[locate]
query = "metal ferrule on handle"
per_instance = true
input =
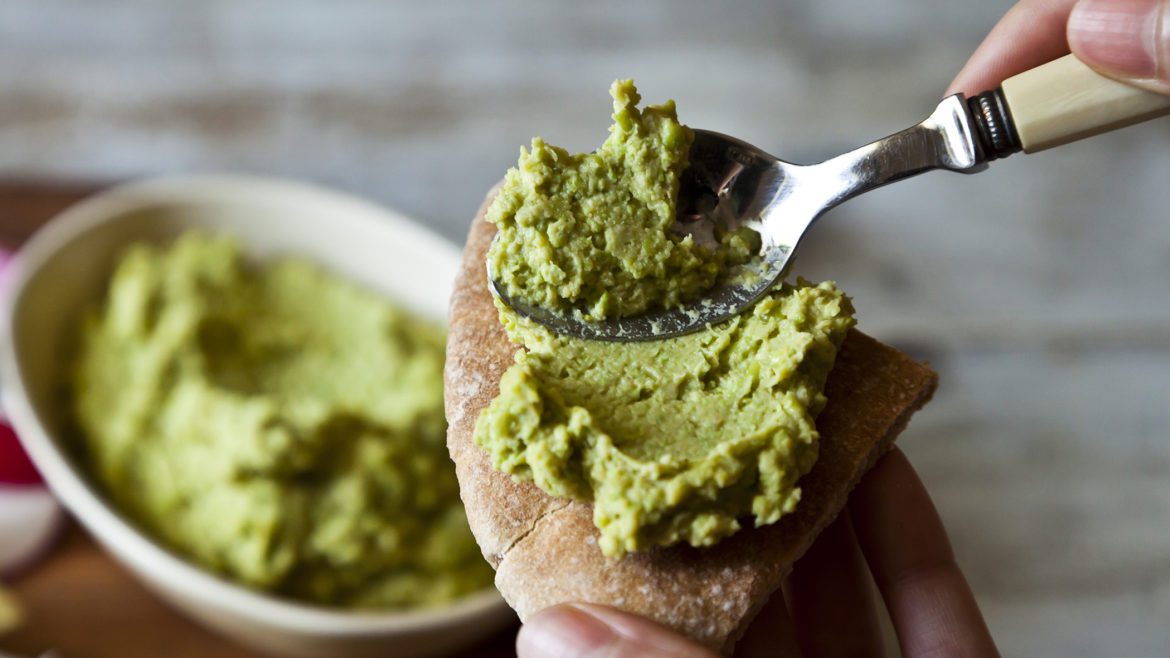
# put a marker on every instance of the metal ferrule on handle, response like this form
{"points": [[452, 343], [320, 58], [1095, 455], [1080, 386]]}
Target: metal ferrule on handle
{"points": [[994, 130], [1057, 103]]}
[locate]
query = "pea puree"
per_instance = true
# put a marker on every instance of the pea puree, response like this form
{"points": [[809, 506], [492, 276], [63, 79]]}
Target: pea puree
{"points": [[275, 424], [590, 233], [675, 440]]}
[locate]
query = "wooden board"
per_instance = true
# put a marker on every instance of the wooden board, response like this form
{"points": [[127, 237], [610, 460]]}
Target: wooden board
{"points": [[79, 602]]}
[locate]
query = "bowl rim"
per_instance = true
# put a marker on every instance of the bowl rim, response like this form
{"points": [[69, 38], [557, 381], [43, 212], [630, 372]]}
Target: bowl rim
{"points": [[123, 539]]}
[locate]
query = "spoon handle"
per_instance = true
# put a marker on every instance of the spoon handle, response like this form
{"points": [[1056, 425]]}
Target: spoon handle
{"points": [[1065, 100]]}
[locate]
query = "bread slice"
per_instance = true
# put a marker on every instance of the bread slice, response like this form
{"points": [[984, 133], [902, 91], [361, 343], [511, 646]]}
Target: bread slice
{"points": [[544, 549]]}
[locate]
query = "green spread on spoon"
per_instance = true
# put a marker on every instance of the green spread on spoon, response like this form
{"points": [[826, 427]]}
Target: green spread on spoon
{"points": [[591, 233], [277, 425], [675, 440]]}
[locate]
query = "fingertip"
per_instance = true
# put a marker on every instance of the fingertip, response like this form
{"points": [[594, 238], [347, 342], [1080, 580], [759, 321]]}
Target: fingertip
{"points": [[1122, 38], [562, 630], [581, 630]]}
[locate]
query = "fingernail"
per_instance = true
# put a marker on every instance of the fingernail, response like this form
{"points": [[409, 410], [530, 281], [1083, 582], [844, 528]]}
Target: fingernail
{"points": [[564, 631], [1118, 36]]}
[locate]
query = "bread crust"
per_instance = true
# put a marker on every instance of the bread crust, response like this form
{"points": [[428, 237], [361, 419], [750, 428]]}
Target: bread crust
{"points": [[544, 549]]}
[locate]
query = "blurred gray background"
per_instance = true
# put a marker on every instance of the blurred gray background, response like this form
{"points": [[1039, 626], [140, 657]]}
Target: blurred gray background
{"points": [[1039, 289]]}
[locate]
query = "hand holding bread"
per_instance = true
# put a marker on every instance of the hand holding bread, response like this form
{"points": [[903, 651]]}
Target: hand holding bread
{"points": [[889, 531]]}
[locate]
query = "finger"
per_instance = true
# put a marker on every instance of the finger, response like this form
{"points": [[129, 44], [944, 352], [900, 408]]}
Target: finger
{"points": [[580, 630], [1125, 39], [830, 599], [771, 634], [1030, 34], [902, 537]]}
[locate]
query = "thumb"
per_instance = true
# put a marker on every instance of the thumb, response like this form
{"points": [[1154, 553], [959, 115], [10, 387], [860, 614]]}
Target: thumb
{"points": [[1124, 39], [591, 631]]}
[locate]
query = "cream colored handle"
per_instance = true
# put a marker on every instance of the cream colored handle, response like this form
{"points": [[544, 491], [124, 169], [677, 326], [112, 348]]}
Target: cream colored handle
{"points": [[1065, 100]]}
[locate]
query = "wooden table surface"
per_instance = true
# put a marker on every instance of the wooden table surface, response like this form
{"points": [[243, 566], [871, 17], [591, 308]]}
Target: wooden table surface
{"points": [[79, 602]]}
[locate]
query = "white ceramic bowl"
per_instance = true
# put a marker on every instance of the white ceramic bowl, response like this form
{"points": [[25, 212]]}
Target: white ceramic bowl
{"points": [[64, 269]]}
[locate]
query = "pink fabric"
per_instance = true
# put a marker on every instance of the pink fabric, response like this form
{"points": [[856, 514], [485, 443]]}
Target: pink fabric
{"points": [[15, 467]]}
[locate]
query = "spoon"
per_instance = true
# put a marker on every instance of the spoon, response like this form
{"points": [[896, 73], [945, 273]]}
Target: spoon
{"points": [[736, 184]]}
